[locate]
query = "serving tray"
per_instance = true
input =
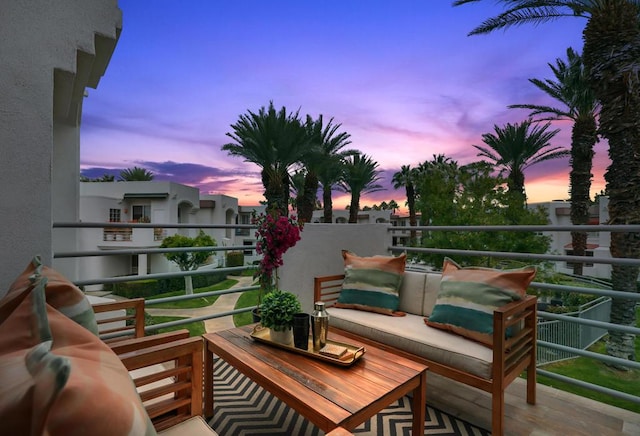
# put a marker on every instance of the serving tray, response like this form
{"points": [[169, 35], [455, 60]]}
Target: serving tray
{"points": [[263, 334]]}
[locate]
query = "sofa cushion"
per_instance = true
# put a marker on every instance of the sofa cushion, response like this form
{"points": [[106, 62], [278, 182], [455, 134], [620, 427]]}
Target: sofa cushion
{"points": [[418, 292], [58, 378], [410, 334], [372, 283], [469, 296], [61, 294]]}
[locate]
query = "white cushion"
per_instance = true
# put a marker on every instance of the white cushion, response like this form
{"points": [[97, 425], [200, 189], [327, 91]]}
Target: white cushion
{"points": [[411, 334], [192, 427]]}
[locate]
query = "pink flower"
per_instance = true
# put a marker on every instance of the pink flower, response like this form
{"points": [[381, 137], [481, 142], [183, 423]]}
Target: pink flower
{"points": [[275, 235]]}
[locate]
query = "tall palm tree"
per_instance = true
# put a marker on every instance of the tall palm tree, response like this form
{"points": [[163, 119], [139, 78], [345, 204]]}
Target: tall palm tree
{"points": [[325, 142], [330, 160], [275, 141], [571, 88], [611, 50], [136, 174], [405, 177], [515, 147], [360, 176]]}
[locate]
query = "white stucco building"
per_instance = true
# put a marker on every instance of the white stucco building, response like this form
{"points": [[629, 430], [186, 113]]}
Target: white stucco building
{"points": [[559, 213], [161, 203], [51, 52]]}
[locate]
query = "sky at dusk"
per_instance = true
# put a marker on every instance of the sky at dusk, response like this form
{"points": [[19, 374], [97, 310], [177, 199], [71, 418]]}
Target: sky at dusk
{"points": [[401, 77]]}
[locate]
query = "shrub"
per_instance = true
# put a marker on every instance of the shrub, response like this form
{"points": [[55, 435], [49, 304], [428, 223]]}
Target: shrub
{"points": [[235, 258]]}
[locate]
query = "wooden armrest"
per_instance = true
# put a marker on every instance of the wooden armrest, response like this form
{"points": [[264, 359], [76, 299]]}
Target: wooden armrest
{"points": [[513, 355], [136, 305], [128, 345], [178, 366]]}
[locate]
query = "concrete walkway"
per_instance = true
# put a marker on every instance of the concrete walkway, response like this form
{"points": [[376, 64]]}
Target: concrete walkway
{"points": [[224, 303]]}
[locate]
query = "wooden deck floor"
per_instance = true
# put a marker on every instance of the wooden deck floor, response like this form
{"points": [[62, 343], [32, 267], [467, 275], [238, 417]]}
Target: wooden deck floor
{"points": [[555, 413]]}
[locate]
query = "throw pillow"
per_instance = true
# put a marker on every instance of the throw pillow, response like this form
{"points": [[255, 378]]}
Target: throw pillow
{"points": [[60, 294], [468, 297], [57, 378], [372, 283]]}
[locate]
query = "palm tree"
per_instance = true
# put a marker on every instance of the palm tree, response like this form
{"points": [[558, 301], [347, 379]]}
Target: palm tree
{"points": [[571, 88], [611, 50], [392, 206], [135, 174], [325, 142], [330, 160], [405, 177], [360, 176], [516, 147], [275, 141]]}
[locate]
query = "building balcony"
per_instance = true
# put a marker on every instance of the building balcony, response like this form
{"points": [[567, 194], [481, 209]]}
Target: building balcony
{"points": [[556, 412], [123, 236]]}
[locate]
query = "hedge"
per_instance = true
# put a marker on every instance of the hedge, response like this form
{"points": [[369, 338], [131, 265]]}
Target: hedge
{"points": [[150, 287]]}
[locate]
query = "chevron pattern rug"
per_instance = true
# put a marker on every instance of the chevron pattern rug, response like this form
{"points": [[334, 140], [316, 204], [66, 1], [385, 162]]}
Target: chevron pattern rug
{"points": [[242, 408]]}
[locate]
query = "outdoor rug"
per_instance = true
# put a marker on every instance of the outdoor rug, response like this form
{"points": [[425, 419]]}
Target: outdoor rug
{"points": [[243, 408]]}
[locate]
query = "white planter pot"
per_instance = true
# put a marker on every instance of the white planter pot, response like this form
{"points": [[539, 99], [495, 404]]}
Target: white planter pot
{"points": [[283, 337]]}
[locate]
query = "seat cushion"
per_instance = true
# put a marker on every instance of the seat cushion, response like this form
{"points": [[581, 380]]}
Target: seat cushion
{"points": [[57, 377], [372, 283], [469, 296], [192, 427], [409, 333]]}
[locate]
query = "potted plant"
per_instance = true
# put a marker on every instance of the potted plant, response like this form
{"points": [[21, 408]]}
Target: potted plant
{"points": [[275, 235], [276, 313]]}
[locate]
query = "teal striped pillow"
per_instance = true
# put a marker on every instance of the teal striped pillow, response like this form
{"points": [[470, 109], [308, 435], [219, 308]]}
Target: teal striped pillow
{"points": [[468, 297], [372, 283]]}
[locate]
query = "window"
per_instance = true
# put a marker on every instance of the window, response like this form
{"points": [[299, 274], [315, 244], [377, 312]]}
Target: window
{"points": [[249, 243], [114, 215], [587, 253], [141, 213]]}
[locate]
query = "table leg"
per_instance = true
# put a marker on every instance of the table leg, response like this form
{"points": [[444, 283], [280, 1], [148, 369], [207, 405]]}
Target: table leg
{"points": [[208, 383], [419, 405]]}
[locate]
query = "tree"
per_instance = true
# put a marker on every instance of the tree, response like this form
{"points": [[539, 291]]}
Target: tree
{"points": [[392, 206], [188, 260], [275, 141], [360, 176], [329, 160], [104, 178], [472, 195], [438, 179], [325, 143], [514, 148], [405, 177], [571, 88], [136, 174], [611, 50]]}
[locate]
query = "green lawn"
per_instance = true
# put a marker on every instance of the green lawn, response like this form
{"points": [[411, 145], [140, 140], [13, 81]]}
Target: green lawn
{"points": [[591, 371], [249, 298], [196, 302], [195, 328]]}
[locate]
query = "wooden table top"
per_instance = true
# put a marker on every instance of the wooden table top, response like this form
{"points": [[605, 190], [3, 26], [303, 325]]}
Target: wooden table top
{"points": [[327, 394]]}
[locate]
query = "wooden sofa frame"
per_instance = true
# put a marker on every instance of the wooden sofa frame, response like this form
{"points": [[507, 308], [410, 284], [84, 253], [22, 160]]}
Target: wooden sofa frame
{"points": [[511, 356]]}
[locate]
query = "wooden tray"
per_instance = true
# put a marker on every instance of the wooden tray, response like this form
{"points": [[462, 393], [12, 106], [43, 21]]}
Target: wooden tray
{"points": [[263, 334]]}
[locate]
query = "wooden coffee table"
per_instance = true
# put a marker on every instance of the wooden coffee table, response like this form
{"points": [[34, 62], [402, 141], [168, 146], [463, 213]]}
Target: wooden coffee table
{"points": [[326, 394]]}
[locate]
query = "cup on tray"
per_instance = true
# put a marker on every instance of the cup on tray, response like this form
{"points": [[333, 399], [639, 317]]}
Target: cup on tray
{"points": [[301, 330]]}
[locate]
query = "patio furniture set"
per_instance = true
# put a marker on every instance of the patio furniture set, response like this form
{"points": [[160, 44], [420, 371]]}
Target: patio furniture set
{"points": [[60, 377]]}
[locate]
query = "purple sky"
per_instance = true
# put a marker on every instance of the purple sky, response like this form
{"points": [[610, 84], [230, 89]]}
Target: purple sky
{"points": [[403, 78]]}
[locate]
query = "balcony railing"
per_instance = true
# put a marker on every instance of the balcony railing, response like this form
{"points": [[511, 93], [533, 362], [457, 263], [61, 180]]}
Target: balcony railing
{"points": [[554, 344]]}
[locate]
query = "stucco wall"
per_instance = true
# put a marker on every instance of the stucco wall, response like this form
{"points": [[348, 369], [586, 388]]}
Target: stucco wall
{"points": [[40, 40], [319, 252]]}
